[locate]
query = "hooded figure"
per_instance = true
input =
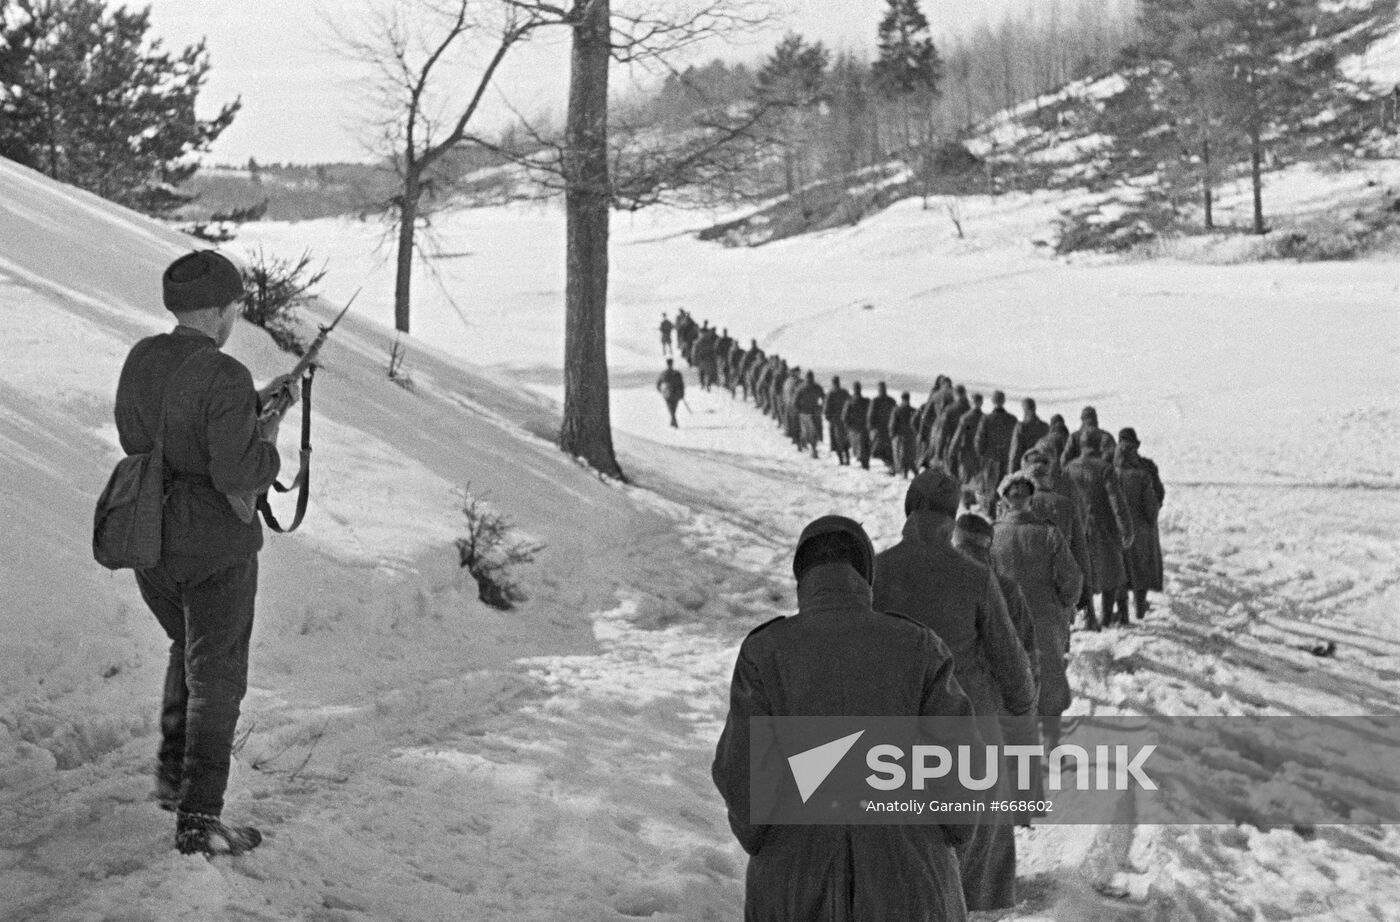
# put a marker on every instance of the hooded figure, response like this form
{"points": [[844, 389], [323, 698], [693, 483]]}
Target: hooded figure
{"points": [[1036, 555], [1060, 510], [972, 535], [839, 656], [926, 578]]}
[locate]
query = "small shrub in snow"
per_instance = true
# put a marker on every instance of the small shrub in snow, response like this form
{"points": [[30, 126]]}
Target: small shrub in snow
{"points": [[276, 288], [490, 553]]}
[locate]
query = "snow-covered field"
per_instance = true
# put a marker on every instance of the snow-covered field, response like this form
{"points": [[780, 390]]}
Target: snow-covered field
{"points": [[414, 755]]}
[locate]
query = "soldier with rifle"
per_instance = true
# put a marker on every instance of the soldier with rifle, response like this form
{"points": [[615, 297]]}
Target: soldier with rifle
{"points": [[217, 443]]}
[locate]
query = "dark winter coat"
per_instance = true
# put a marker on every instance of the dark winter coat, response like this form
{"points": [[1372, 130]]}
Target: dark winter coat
{"points": [[840, 657], [1033, 553], [671, 384], [834, 411], [877, 422], [945, 427], [1108, 521], [1143, 561], [926, 578], [809, 398], [962, 459], [1064, 514], [902, 438], [1023, 437], [1158, 487], [993, 440], [211, 442]]}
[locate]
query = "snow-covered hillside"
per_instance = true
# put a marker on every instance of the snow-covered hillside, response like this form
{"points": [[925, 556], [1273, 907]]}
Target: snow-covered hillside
{"points": [[414, 755]]}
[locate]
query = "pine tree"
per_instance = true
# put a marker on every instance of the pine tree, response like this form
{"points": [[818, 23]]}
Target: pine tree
{"points": [[907, 69], [1239, 67], [794, 80], [89, 99]]}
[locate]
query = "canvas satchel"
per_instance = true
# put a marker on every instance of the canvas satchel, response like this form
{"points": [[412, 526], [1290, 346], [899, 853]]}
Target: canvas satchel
{"points": [[126, 529]]}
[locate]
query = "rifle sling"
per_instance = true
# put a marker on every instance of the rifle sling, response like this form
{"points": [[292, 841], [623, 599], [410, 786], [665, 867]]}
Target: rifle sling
{"points": [[302, 481]]}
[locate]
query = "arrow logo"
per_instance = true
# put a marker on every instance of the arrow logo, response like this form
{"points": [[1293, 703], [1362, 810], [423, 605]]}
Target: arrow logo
{"points": [[810, 768]]}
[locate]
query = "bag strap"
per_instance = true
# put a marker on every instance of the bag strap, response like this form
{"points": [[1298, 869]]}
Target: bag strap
{"points": [[302, 480]]}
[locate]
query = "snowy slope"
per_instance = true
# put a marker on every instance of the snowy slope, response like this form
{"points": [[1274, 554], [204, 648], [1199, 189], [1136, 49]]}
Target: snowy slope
{"points": [[415, 756]]}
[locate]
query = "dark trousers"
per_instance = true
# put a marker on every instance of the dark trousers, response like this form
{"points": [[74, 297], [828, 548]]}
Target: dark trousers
{"points": [[205, 605]]}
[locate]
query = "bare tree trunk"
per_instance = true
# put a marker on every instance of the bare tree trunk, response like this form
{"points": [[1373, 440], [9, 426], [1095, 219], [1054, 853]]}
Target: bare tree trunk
{"points": [[403, 273], [1206, 180], [587, 427], [1256, 163]]}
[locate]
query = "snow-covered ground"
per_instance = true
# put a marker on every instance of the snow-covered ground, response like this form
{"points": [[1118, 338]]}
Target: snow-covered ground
{"points": [[413, 754]]}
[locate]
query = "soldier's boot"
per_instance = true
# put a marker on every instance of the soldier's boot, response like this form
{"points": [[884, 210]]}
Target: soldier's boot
{"points": [[205, 834], [1140, 604]]}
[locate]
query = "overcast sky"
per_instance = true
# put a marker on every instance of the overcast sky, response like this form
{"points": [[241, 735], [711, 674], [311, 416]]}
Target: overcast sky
{"points": [[302, 102]]}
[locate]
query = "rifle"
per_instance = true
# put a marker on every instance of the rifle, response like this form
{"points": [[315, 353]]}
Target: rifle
{"points": [[281, 400], [247, 505]]}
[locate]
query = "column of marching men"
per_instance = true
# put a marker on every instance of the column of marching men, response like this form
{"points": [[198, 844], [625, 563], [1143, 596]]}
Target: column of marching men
{"points": [[1012, 526]]}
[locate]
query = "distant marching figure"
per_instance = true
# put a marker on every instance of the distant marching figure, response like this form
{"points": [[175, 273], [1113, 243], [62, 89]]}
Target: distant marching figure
{"points": [[666, 327], [877, 422], [903, 437], [1110, 525], [857, 411], [1142, 489], [834, 409], [672, 387], [809, 400]]}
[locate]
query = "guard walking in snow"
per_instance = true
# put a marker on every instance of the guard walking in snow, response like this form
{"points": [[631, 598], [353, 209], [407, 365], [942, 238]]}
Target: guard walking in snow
{"points": [[202, 590], [671, 384], [839, 656]]}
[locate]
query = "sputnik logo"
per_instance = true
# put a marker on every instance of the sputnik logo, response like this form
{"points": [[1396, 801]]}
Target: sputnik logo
{"points": [[811, 768]]}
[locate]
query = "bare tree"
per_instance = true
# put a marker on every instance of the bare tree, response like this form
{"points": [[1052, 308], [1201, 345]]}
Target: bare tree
{"points": [[597, 174], [422, 112]]}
